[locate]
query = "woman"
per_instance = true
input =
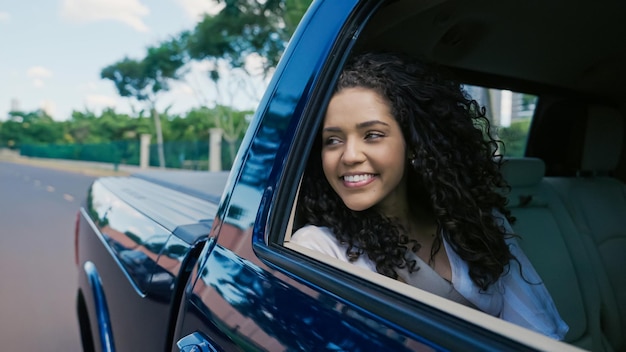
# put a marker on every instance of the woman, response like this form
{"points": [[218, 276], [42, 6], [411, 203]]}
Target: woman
{"points": [[403, 181]]}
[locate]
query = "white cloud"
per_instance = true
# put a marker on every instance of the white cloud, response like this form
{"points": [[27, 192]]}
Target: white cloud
{"points": [[38, 72], [129, 12], [5, 17], [88, 87], [197, 8], [99, 101]]}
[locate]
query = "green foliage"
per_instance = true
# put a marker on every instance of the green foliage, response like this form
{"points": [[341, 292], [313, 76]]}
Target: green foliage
{"points": [[514, 137], [143, 79], [244, 27], [194, 126], [162, 63], [114, 138], [30, 127], [292, 14], [130, 78], [232, 35], [87, 127]]}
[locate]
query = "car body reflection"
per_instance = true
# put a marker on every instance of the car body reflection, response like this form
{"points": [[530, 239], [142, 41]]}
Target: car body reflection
{"points": [[279, 312], [134, 239]]}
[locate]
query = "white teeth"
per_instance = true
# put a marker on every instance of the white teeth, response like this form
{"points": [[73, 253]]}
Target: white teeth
{"points": [[357, 178]]}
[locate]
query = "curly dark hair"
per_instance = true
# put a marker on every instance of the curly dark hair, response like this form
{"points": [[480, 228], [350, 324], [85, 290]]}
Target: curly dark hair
{"points": [[456, 172]]}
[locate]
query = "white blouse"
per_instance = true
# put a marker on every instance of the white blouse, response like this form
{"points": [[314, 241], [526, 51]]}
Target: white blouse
{"points": [[511, 298]]}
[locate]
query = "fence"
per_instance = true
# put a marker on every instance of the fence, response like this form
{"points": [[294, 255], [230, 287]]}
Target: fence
{"points": [[195, 154], [182, 155]]}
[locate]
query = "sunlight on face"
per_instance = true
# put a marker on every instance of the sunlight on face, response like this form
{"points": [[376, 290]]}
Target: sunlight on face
{"points": [[364, 152]]}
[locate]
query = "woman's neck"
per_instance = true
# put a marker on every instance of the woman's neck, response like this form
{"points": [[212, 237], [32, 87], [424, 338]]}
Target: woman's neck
{"points": [[419, 223]]}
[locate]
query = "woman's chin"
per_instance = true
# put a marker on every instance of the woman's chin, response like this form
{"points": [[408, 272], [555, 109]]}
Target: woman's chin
{"points": [[358, 206]]}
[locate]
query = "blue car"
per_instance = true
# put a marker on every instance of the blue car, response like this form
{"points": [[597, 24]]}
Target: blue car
{"points": [[200, 261]]}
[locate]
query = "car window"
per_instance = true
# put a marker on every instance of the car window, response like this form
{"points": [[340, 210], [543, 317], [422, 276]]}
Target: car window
{"points": [[510, 118], [510, 114]]}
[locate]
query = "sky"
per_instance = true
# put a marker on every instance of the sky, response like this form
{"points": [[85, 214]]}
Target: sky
{"points": [[52, 53]]}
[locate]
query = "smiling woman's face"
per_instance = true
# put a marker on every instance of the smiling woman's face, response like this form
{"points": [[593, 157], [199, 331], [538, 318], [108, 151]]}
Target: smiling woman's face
{"points": [[364, 152]]}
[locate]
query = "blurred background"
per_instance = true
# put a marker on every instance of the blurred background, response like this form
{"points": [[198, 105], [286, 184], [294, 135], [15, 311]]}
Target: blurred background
{"points": [[83, 82], [84, 79]]}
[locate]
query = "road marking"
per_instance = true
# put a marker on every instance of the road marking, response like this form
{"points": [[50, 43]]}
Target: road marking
{"points": [[50, 189], [68, 197]]}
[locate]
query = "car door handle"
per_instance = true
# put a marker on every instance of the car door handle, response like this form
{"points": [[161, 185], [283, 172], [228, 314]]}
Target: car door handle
{"points": [[195, 342]]}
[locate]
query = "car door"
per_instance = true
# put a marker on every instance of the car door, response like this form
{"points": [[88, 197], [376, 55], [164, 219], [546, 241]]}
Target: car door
{"points": [[251, 292]]}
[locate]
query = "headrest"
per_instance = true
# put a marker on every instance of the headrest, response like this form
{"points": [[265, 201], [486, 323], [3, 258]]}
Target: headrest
{"points": [[523, 172], [603, 139]]}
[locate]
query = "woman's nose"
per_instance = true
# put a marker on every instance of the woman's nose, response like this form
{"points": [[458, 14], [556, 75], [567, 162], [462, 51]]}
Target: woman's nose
{"points": [[352, 153]]}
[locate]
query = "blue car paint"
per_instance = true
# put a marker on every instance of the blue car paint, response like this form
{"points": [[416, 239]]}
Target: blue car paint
{"points": [[102, 311]]}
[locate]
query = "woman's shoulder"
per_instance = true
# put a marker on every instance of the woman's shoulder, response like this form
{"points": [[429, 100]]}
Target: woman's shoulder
{"points": [[322, 239], [312, 233], [317, 238]]}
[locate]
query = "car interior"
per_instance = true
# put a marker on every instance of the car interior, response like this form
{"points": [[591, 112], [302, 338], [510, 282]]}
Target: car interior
{"points": [[567, 186]]}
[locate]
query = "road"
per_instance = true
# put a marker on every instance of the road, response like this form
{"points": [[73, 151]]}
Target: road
{"points": [[37, 273]]}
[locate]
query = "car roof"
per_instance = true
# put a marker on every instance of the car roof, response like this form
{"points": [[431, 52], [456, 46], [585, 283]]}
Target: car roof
{"points": [[569, 46]]}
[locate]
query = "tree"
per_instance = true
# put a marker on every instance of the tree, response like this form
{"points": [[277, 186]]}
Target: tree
{"points": [[194, 125], [145, 79], [31, 127], [234, 125], [245, 27], [81, 125], [228, 39], [241, 30], [292, 14]]}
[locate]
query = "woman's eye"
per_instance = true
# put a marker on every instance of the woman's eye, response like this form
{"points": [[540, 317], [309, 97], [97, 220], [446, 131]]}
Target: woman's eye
{"points": [[373, 135], [331, 141]]}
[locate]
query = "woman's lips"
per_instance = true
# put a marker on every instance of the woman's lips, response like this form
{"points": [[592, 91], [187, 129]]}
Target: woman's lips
{"points": [[359, 180]]}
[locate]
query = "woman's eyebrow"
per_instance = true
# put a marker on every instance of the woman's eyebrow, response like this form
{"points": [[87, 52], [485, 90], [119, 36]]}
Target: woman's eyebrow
{"points": [[371, 123], [358, 126], [331, 129]]}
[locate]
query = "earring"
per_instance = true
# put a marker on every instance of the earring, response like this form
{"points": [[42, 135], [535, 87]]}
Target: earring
{"points": [[413, 159]]}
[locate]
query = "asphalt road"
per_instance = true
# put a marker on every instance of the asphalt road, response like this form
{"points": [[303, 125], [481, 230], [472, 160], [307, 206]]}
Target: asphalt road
{"points": [[38, 277]]}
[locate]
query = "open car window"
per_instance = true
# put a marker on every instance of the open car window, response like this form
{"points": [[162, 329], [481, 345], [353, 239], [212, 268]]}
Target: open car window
{"points": [[510, 116]]}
